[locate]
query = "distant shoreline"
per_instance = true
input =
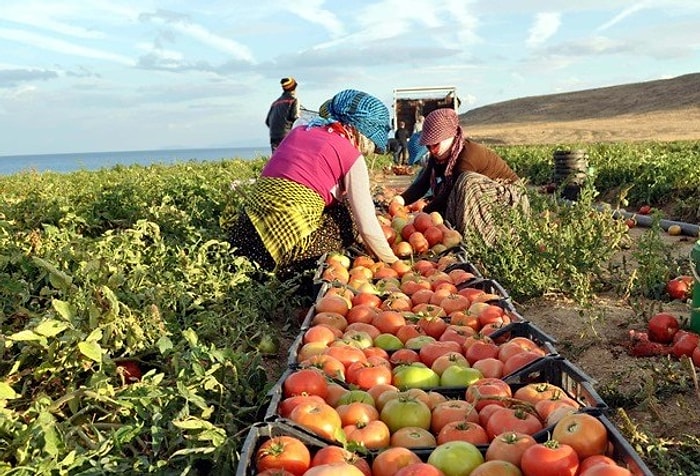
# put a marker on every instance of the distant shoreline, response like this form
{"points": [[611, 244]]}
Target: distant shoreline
{"points": [[72, 162]]}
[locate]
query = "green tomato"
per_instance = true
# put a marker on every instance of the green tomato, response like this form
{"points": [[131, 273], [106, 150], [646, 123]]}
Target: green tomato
{"points": [[351, 396], [456, 458], [388, 342], [415, 375], [415, 343], [404, 411], [459, 376]]}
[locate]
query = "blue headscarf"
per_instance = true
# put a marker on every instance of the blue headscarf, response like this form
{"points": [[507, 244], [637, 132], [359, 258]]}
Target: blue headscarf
{"points": [[363, 111]]}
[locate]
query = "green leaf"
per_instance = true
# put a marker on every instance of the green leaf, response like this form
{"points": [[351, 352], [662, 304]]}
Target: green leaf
{"points": [[64, 309], [164, 345], [25, 336], [51, 438], [50, 328], [7, 392], [91, 350]]}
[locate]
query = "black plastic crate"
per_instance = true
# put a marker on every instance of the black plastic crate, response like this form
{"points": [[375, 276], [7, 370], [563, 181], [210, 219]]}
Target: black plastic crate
{"points": [[561, 372], [622, 451], [263, 431], [526, 329]]}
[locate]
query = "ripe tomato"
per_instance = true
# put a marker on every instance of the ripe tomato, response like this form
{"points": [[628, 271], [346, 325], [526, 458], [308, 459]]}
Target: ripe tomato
{"points": [[274, 472], [585, 433], [432, 350], [367, 374], [486, 391], [319, 418], [463, 431], [309, 381], [550, 458], [283, 452], [534, 392], [606, 470], [287, 404], [662, 327], [419, 469], [334, 469], [391, 460], [373, 435], [413, 437], [520, 360], [489, 367], [496, 468], [512, 419], [595, 460], [684, 344], [337, 454], [509, 446], [357, 413], [130, 370], [481, 349], [680, 287]]}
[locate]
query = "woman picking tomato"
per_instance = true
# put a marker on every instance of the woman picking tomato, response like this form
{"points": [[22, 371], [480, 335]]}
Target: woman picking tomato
{"points": [[315, 189], [468, 181]]}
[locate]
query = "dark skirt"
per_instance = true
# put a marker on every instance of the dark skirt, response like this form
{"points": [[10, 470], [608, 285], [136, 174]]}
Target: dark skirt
{"points": [[336, 233]]}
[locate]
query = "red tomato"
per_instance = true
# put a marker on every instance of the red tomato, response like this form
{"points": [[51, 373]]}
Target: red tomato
{"points": [[496, 468], [419, 469], [373, 435], [606, 470], [696, 357], [595, 460], [432, 350], [450, 411], [334, 469], [662, 327], [274, 472], [481, 349], [287, 405], [509, 446], [283, 452], [337, 454], [489, 367], [319, 418], [357, 413], [549, 459], [309, 381], [413, 437], [679, 288], [520, 360], [487, 390], [512, 419], [391, 460], [463, 431], [685, 344], [585, 433], [131, 370], [365, 375], [534, 392], [644, 210], [329, 365]]}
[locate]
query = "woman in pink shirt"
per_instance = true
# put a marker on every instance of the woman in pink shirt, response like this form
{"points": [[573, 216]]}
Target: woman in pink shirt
{"points": [[313, 196]]}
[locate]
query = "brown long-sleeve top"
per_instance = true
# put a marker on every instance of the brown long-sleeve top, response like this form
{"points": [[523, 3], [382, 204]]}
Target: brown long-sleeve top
{"points": [[473, 158]]}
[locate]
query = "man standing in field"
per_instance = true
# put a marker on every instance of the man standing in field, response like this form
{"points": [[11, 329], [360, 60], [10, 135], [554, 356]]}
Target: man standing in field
{"points": [[283, 112]]}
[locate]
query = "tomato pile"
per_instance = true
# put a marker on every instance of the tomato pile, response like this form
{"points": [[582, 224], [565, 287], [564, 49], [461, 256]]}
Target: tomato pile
{"points": [[664, 336], [424, 367]]}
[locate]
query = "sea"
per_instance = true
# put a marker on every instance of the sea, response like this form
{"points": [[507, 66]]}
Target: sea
{"points": [[92, 161]]}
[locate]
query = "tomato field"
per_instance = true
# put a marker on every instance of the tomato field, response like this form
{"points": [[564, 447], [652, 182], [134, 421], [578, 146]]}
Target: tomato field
{"points": [[133, 339]]}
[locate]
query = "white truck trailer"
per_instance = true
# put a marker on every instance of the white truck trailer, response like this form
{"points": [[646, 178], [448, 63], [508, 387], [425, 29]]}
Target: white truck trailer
{"points": [[409, 103]]}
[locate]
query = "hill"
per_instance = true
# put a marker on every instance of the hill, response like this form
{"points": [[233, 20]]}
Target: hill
{"points": [[661, 110]]}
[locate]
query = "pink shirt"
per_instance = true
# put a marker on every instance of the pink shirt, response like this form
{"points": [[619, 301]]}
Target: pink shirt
{"points": [[314, 157]]}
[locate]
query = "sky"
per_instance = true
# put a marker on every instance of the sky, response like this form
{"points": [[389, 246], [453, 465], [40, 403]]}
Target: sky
{"points": [[101, 75]]}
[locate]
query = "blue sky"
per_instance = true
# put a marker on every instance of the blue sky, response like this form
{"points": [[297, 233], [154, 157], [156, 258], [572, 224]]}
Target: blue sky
{"points": [[101, 75]]}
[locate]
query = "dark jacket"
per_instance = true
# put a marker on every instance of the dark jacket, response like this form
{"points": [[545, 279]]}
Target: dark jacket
{"points": [[282, 114]]}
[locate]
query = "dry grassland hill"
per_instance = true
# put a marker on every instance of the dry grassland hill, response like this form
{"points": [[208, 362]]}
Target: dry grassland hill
{"points": [[662, 110]]}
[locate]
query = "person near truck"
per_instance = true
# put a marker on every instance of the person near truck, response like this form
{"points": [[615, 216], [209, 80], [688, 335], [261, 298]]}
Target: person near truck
{"points": [[283, 112], [401, 135], [313, 195], [467, 180]]}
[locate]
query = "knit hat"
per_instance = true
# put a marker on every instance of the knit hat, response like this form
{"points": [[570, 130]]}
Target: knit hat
{"points": [[439, 125], [323, 110], [288, 84], [364, 112]]}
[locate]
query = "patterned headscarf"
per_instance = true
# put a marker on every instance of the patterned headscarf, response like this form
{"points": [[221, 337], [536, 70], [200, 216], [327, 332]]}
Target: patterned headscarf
{"points": [[364, 112], [439, 125]]}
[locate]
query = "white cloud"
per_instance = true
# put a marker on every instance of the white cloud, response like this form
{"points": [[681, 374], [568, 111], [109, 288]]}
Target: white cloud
{"points": [[545, 26], [63, 47]]}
